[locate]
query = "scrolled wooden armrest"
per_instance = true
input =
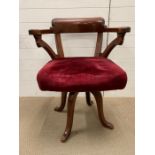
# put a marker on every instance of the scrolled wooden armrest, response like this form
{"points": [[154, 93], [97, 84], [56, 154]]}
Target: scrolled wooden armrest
{"points": [[121, 31], [40, 32], [118, 29], [40, 43]]}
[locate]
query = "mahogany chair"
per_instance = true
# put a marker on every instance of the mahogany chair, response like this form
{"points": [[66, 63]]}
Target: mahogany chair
{"points": [[80, 74]]}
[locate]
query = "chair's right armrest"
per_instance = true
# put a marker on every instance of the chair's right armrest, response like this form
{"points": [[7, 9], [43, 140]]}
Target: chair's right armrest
{"points": [[39, 41], [40, 32]]}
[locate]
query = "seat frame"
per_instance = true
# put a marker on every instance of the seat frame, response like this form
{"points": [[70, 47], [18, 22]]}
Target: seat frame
{"points": [[79, 25]]}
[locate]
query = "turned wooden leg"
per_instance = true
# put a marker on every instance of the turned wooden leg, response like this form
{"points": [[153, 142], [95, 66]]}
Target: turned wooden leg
{"points": [[63, 102], [70, 114], [99, 102], [88, 99]]}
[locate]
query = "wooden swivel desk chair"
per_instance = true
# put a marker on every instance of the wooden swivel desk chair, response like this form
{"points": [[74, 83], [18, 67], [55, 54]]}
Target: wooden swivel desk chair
{"points": [[80, 74]]}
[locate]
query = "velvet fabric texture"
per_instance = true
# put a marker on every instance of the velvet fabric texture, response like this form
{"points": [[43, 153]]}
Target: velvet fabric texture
{"points": [[81, 74]]}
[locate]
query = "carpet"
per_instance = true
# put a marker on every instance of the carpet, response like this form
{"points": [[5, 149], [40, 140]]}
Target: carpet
{"points": [[41, 128]]}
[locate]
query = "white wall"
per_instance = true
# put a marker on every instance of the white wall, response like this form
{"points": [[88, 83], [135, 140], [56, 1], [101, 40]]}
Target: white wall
{"points": [[39, 13]]}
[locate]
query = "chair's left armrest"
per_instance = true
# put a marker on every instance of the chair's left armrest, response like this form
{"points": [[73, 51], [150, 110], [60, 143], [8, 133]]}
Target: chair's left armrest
{"points": [[118, 29], [121, 31]]}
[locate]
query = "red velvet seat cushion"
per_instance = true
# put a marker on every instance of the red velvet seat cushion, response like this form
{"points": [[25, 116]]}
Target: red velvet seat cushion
{"points": [[81, 74]]}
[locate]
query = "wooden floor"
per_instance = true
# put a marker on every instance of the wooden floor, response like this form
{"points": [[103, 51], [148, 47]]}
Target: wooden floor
{"points": [[41, 128]]}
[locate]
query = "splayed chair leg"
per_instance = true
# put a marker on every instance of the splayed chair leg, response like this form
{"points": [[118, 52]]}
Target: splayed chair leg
{"points": [[88, 99], [70, 114], [99, 102], [63, 102]]}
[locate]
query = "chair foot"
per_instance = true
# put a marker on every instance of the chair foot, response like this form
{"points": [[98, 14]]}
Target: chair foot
{"points": [[99, 102], [88, 99], [65, 136], [70, 114], [63, 102]]}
